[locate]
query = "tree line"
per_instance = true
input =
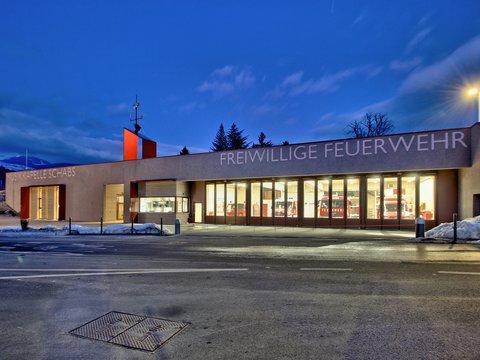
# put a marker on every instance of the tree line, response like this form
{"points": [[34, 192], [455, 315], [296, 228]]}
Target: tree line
{"points": [[371, 124]]}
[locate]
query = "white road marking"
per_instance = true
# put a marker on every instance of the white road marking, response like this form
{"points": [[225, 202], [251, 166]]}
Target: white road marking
{"points": [[151, 271], [326, 269], [458, 272]]}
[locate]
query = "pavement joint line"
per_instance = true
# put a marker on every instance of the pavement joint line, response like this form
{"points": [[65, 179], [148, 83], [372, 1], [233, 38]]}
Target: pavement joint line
{"points": [[160, 271], [326, 269], [459, 272]]}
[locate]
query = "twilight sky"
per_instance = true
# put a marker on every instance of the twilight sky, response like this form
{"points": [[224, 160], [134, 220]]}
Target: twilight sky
{"points": [[297, 70]]}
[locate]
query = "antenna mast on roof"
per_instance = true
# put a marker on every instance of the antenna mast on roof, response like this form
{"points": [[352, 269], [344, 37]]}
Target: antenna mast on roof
{"points": [[136, 105]]}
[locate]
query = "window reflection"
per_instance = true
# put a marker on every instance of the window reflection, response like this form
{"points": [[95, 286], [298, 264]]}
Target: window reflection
{"points": [[407, 205], [338, 198], [255, 199], [323, 210], [309, 198], [353, 198], [373, 198], [390, 199], [427, 197], [292, 193]]}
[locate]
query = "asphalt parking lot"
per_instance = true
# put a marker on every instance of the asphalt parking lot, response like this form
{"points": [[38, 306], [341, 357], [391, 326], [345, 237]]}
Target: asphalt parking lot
{"points": [[242, 296]]}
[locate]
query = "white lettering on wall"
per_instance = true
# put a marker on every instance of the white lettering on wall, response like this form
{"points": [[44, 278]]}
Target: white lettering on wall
{"points": [[435, 141], [45, 174]]}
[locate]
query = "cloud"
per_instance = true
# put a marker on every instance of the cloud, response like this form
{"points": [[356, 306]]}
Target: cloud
{"points": [[429, 97], [119, 109], [191, 106], [405, 65], [362, 16], [53, 142], [227, 80], [418, 38], [294, 84]]}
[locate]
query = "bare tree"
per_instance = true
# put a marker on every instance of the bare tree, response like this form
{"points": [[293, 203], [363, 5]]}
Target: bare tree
{"points": [[372, 124]]}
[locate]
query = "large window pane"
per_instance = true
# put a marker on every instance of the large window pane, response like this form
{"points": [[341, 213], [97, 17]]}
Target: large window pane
{"points": [[220, 210], [373, 198], [407, 204], [230, 199], [255, 199], [210, 200], [279, 199], [309, 198], [267, 199], [241, 199], [292, 199], [427, 197], [338, 198], [323, 210], [390, 198], [157, 204], [353, 198]]}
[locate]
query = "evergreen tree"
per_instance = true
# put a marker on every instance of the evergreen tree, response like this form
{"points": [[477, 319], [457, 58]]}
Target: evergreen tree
{"points": [[220, 142], [285, 143], [235, 138], [262, 142], [184, 151]]}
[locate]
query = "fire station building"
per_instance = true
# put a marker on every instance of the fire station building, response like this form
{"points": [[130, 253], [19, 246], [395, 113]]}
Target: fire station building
{"points": [[380, 182]]}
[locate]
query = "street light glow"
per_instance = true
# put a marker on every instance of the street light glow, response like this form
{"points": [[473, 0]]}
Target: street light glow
{"points": [[472, 91]]}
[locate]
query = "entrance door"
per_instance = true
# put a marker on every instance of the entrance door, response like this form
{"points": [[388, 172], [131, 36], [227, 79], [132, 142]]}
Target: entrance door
{"points": [[198, 212]]}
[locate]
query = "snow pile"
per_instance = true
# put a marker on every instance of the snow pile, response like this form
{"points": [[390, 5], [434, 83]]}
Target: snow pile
{"points": [[84, 230], [468, 229]]}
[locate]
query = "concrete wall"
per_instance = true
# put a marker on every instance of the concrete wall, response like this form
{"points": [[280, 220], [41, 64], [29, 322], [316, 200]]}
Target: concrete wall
{"points": [[469, 178]]}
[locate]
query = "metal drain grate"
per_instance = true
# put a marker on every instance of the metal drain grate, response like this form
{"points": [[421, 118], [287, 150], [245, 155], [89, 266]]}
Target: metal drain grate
{"points": [[132, 331]]}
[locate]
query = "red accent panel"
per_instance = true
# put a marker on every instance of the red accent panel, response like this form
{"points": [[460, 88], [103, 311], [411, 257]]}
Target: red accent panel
{"points": [[130, 145], [25, 203], [149, 149], [62, 196]]}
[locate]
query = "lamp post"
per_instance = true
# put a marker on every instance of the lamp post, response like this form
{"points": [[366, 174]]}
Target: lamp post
{"points": [[473, 92]]}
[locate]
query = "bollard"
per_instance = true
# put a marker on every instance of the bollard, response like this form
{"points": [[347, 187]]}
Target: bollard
{"points": [[69, 226], [419, 227], [101, 226], [177, 227], [161, 226], [455, 218], [131, 229]]}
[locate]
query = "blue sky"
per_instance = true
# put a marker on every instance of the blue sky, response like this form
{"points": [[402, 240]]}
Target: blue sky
{"points": [[299, 71]]}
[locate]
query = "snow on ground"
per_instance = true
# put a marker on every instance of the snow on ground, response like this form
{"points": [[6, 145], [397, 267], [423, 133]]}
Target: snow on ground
{"points": [[84, 230], [468, 229]]}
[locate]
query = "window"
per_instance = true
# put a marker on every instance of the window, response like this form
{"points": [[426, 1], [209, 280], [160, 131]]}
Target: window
{"points": [[292, 198], [338, 198], [309, 198], [182, 205], [241, 199], [267, 188], [220, 210], [427, 197], [323, 208], [279, 199], [230, 199], [157, 204], [210, 200], [255, 199], [390, 198], [353, 199], [373, 198], [407, 204]]}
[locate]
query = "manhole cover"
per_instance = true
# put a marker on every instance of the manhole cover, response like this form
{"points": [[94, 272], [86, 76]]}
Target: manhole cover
{"points": [[132, 331]]}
